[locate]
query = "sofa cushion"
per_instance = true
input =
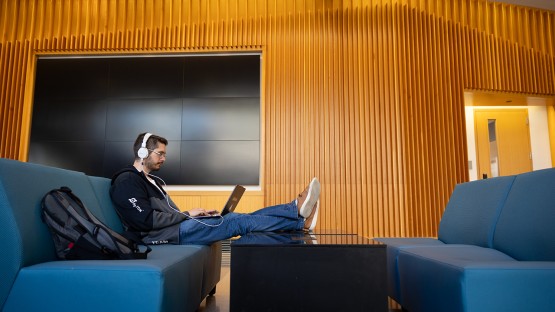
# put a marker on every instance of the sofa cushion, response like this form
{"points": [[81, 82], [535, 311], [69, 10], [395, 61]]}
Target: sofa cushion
{"points": [[525, 227], [473, 279], [105, 211], [394, 245], [473, 210], [169, 280]]}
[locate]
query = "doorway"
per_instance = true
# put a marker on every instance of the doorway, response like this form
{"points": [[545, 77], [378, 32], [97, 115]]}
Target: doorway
{"points": [[503, 142], [540, 125]]}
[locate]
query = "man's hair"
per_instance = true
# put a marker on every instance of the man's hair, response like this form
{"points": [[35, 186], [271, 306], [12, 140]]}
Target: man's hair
{"points": [[151, 143]]}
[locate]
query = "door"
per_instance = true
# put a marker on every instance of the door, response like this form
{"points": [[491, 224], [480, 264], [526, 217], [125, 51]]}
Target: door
{"points": [[502, 142]]}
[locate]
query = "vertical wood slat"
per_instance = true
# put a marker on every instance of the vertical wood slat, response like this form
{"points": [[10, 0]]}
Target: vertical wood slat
{"points": [[367, 95], [4, 76]]}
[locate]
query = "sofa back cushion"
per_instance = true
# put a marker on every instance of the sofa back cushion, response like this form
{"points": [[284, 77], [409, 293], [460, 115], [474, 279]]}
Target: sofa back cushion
{"points": [[106, 211], [473, 210], [26, 238], [525, 227]]}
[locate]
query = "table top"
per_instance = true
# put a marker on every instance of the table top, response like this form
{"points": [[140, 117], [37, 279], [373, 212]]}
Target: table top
{"points": [[303, 239]]}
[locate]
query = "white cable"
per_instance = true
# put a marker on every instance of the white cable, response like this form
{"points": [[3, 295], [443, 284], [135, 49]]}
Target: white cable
{"points": [[206, 224], [179, 211]]}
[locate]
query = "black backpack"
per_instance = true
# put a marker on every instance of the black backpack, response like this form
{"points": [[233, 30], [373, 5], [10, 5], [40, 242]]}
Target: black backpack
{"points": [[79, 235]]}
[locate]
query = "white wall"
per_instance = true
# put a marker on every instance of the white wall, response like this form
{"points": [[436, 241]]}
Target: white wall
{"points": [[539, 134], [471, 142]]}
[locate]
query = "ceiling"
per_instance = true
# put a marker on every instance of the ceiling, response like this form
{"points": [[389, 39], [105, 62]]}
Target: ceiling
{"points": [[541, 4]]}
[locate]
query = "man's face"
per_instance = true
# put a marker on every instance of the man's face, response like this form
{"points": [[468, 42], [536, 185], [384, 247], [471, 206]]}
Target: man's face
{"points": [[155, 159]]}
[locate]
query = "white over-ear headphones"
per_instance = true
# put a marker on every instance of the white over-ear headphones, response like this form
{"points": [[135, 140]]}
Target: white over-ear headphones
{"points": [[143, 151]]}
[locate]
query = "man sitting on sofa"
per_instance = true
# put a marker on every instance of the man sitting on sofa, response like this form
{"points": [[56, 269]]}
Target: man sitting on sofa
{"points": [[148, 211]]}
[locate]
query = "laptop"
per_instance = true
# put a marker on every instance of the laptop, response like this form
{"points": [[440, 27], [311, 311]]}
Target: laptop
{"points": [[230, 205]]}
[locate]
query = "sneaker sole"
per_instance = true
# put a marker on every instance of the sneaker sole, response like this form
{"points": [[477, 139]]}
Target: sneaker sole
{"points": [[315, 217], [311, 198]]}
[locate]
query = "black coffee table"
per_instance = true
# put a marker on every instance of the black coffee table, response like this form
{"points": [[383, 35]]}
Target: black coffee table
{"points": [[303, 272]]}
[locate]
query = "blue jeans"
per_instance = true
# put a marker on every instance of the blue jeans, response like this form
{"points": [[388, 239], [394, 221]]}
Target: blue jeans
{"points": [[283, 217]]}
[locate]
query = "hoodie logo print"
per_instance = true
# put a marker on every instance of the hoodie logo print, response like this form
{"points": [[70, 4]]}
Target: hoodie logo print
{"points": [[134, 203]]}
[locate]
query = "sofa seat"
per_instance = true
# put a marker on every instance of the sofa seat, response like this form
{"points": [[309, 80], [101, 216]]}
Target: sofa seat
{"points": [[481, 279], [394, 245], [142, 284]]}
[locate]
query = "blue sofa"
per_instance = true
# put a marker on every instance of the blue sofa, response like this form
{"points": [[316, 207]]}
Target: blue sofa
{"points": [[495, 250], [173, 278]]}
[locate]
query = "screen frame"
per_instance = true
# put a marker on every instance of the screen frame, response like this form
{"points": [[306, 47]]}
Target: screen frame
{"points": [[29, 101]]}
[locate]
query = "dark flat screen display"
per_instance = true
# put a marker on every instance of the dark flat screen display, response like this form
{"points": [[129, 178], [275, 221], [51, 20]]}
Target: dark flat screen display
{"points": [[88, 112]]}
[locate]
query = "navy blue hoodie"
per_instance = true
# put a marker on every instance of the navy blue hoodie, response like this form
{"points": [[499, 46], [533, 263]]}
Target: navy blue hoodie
{"points": [[144, 208]]}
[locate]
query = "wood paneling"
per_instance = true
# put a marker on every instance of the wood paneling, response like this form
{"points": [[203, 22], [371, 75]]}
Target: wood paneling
{"points": [[366, 95]]}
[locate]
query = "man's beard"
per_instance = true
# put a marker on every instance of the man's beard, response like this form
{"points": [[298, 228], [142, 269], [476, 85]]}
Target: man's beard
{"points": [[152, 166]]}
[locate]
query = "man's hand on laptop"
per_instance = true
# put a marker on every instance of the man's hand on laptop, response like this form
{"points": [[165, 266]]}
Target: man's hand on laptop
{"points": [[195, 212]]}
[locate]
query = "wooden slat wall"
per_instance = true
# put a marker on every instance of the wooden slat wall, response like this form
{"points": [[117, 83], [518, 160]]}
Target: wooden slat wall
{"points": [[367, 95]]}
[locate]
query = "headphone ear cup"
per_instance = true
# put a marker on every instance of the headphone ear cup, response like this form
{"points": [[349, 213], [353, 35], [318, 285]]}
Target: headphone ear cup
{"points": [[142, 153]]}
